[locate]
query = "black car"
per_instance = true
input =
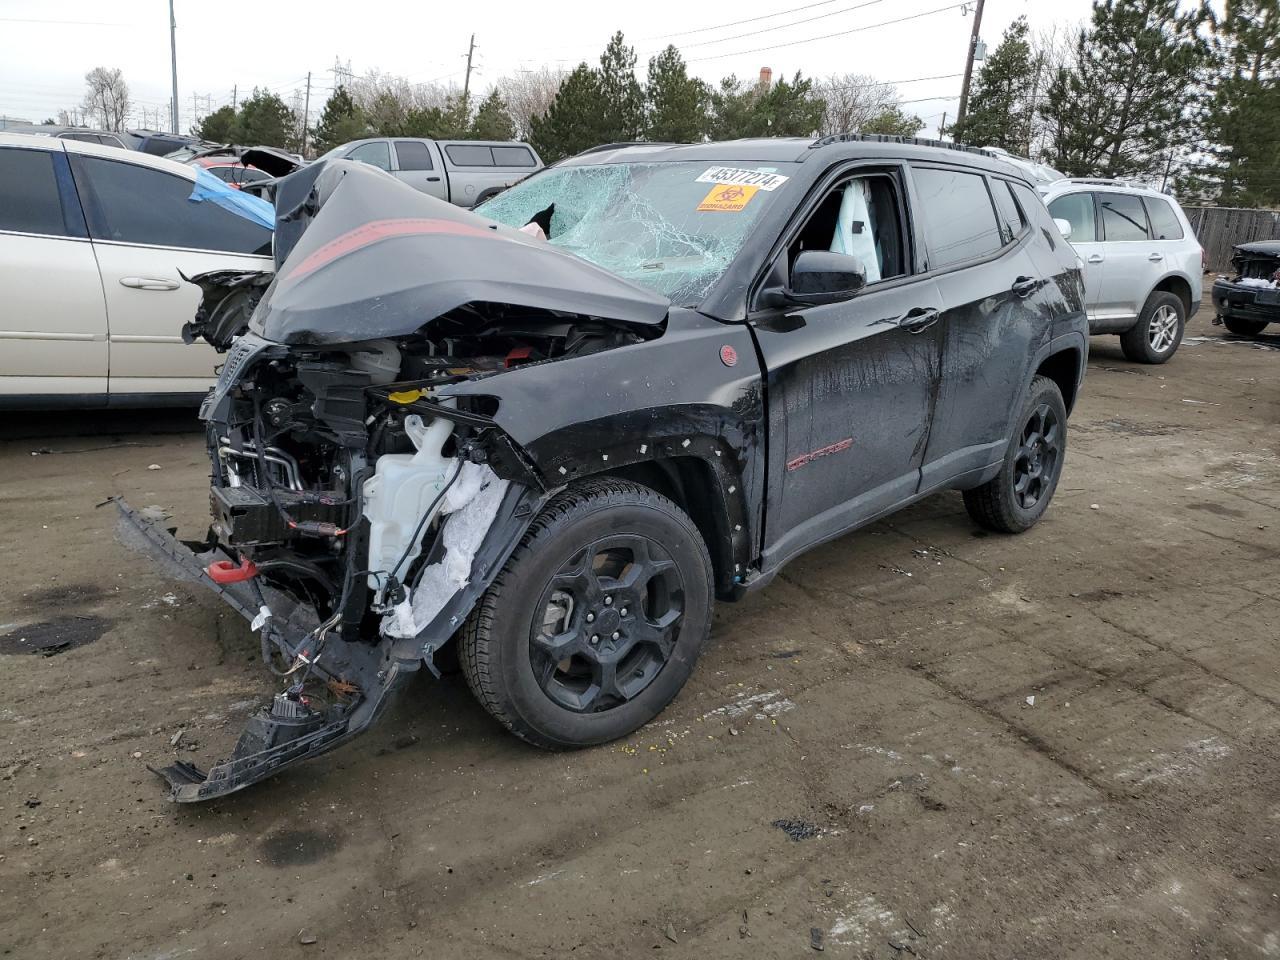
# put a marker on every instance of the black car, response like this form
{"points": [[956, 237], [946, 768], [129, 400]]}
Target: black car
{"points": [[1249, 300], [554, 431]]}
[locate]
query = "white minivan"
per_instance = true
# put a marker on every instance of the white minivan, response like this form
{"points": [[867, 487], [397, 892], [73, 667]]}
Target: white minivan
{"points": [[94, 241], [1143, 266]]}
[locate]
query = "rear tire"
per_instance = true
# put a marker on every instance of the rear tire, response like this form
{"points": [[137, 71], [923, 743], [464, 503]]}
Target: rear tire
{"points": [[596, 621], [1020, 493], [1156, 335], [1244, 328]]}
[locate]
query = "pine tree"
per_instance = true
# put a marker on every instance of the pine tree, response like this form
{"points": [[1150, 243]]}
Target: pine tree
{"points": [[492, 120], [217, 126], [1120, 109], [1000, 107], [788, 109], [893, 122], [340, 122], [573, 122], [265, 120], [677, 104], [733, 109], [621, 99], [1243, 117]]}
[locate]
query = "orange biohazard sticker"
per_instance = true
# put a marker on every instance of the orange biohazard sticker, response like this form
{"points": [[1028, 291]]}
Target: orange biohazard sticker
{"points": [[727, 198]]}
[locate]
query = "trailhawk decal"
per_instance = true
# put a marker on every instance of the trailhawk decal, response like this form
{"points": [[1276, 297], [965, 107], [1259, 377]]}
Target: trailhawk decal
{"points": [[743, 178], [807, 458]]}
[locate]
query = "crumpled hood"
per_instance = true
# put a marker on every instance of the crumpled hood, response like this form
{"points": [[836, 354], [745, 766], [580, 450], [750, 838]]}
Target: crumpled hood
{"points": [[361, 256]]}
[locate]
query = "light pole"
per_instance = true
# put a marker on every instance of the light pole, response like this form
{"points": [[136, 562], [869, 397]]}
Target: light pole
{"points": [[173, 55]]}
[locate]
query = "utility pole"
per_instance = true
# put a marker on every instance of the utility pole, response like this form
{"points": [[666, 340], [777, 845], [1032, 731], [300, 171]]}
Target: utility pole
{"points": [[195, 108], [306, 114], [968, 63], [235, 89], [942, 127], [466, 83], [173, 55]]}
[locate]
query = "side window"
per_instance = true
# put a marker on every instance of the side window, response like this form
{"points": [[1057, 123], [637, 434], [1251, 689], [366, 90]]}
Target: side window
{"points": [[513, 157], [959, 220], [29, 201], [252, 175], [413, 155], [227, 174], [1077, 209], [1123, 217], [1164, 222], [168, 217], [1011, 220], [467, 155], [1034, 210], [375, 154], [859, 217]]}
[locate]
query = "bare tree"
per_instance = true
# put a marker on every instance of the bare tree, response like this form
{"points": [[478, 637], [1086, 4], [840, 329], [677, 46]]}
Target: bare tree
{"points": [[106, 98], [852, 101], [387, 100], [529, 94]]}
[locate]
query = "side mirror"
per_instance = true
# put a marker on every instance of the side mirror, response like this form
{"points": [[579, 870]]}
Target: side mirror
{"points": [[819, 277], [1064, 227]]}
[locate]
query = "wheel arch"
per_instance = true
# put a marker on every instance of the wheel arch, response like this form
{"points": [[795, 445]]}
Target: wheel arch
{"points": [[1063, 361], [1179, 286]]}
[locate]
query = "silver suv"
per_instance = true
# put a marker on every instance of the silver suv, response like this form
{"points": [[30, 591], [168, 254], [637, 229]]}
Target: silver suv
{"points": [[1142, 262]]}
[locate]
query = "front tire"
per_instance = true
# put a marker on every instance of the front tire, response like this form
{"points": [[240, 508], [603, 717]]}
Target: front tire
{"points": [[596, 621], [1020, 493], [1156, 335], [1244, 328]]}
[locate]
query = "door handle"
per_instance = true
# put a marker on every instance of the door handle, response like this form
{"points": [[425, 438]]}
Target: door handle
{"points": [[1095, 258], [149, 283], [919, 319], [1155, 257], [1025, 286], [433, 179]]}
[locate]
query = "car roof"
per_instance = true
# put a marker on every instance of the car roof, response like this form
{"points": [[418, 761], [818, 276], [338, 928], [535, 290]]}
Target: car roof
{"points": [[97, 150], [798, 150]]}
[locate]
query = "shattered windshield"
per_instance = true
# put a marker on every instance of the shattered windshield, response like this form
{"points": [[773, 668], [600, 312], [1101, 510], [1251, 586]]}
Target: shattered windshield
{"points": [[671, 227]]}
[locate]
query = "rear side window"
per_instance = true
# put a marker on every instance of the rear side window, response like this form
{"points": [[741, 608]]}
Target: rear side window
{"points": [[137, 204], [1164, 222], [466, 155], [375, 154], [513, 157], [1077, 209], [412, 155], [960, 223], [1011, 221], [29, 201], [1123, 217]]}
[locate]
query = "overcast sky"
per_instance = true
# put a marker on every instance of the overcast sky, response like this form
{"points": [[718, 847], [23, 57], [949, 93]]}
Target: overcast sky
{"points": [[48, 47]]}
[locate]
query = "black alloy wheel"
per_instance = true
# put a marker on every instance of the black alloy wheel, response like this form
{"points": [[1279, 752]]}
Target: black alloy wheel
{"points": [[610, 620], [1038, 455]]}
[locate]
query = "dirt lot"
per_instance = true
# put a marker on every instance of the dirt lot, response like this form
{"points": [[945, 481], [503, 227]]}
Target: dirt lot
{"points": [[1061, 744]]}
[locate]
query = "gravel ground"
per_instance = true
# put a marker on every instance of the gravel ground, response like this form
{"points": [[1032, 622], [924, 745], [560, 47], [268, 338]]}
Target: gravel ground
{"points": [[920, 740]]}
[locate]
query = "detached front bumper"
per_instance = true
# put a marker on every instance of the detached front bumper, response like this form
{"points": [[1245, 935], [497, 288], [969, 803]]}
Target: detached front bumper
{"points": [[1247, 303], [361, 677]]}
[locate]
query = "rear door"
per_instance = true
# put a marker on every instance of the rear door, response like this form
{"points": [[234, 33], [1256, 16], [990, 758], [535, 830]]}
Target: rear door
{"points": [[996, 314], [147, 232], [418, 164], [1134, 263], [850, 384], [53, 328], [1080, 210]]}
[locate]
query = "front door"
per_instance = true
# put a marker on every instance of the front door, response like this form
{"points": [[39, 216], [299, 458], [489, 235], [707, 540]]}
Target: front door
{"points": [[148, 233], [850, 384]]}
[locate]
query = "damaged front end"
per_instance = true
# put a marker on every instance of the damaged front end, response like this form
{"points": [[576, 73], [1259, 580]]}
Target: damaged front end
{"points": [[359, 511]]}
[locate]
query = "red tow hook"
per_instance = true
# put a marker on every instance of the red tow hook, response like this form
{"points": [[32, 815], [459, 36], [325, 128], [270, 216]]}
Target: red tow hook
{"points": [[224, 571]]}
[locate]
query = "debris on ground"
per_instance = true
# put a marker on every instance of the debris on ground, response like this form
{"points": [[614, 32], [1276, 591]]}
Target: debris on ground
{"points": [[815, 939], [798, 830], [153, 466], [306, 937], [670, 933]]}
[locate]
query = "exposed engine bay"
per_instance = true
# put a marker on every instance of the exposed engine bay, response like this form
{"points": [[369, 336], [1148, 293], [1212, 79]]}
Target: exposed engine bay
{"points": [[357, 509]]}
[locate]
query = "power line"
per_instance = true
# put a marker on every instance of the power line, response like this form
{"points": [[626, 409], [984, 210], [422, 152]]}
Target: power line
{"points": [[829, 36], [764, 16], [784, 26]]}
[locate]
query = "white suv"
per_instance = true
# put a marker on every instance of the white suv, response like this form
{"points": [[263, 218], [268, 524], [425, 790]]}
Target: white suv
{"points": [[1142, 262]]}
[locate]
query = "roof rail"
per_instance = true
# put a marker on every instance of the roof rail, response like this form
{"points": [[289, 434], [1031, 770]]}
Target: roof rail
{"points": [[625, 143], [1102, 181], [885, 138]]}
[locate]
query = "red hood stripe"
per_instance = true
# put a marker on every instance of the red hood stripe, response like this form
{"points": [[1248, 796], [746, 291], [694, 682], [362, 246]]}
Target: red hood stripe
{"points": [[376, 231]]}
